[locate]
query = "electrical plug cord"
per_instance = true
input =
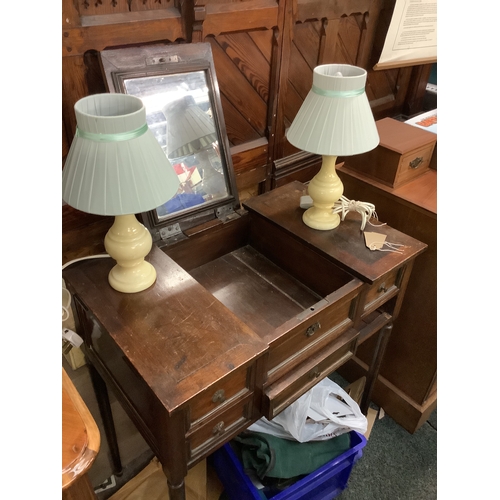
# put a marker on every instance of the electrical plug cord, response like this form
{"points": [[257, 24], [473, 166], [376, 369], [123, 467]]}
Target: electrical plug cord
{"points": [[70, 338], [98, 256]]}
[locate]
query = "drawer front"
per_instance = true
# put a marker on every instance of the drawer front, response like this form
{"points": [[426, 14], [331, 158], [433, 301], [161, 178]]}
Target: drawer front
{"points": [[324, 326], [381, 290], [414, 164], [286, 390], [217, 397], [202, 439]]}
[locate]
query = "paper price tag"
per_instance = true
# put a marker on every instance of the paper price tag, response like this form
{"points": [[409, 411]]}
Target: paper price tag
{"points": [[375, 241]]}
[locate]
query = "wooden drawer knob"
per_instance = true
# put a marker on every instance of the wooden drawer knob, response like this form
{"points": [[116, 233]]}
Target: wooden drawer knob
{"points": [[416, 162], [219, 429], [312, 329], [219, 396]]}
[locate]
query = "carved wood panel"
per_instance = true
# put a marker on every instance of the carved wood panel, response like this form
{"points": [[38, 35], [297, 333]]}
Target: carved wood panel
{"points": [[101, 7], [264, 53], [138, 5], [243, 72], [97, 7]]}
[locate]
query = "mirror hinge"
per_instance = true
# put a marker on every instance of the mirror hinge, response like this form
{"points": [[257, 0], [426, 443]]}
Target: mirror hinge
{"points": [[226, 213], [172, 233]]}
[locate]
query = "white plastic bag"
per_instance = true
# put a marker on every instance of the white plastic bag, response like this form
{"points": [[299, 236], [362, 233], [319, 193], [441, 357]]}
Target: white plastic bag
{"points": [[317, 415]]}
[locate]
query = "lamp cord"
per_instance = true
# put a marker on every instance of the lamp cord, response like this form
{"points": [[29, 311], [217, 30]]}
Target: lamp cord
{"points": [[98, 256], [66, 295]]}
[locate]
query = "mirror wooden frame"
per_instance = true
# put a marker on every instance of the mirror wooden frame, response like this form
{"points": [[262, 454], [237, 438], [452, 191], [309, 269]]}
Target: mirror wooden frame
{"points": [[125, 64]]}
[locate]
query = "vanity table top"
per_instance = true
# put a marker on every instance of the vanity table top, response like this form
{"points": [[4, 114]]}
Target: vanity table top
{"points": [[345, 244], [177, 336]]}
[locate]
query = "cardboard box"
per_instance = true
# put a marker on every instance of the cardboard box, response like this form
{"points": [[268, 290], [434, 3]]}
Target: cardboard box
{"points": [[355, 390], [151, 484]]}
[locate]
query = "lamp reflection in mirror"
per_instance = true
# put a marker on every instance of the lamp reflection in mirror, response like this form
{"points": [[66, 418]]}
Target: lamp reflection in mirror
{"points": [[191, 132], [189, 129], [115, 166], [334, 120]]}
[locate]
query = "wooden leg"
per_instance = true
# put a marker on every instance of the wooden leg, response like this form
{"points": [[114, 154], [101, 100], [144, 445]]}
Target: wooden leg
{"points": [[102, 396], [176, 491], [371, 376], [173, 453]]}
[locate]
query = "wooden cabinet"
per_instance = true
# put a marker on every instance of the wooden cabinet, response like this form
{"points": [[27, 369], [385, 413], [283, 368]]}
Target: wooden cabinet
{"points": [[264, 53], [407, 383], [245, 316]]}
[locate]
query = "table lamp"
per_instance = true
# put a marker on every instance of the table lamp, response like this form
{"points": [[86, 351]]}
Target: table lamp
{"points": [[115, 166], [334, 120]]}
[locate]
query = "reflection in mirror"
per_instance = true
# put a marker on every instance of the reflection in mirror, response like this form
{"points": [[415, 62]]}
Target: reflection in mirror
{"points": [[179, 113]]}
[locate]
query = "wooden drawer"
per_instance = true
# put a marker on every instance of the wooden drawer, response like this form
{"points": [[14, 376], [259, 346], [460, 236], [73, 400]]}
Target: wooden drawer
{"points": [[217, 398], [413, 164], [404, 153], [316, 328], [294, 311], [203, 439], [381, 291], [282, 393]]}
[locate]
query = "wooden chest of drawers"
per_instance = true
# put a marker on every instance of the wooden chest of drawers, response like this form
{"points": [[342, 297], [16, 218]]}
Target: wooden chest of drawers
{"points": [[403, 154], [174, 354]]}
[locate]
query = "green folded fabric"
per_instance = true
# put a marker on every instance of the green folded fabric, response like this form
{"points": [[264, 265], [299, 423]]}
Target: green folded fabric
{"points": [[271, 456]]}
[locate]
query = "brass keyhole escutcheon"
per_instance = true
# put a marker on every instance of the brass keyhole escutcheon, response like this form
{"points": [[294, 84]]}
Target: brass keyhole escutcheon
{"points": [[312, 329], [219, 428], [219, 396]]}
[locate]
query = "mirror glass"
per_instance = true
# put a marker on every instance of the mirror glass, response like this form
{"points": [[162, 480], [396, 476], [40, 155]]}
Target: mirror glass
{"points": [[179, 112]]}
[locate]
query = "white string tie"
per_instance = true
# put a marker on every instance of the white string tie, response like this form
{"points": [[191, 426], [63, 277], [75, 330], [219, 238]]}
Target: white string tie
{"points": [[391, 247], [367, 210]]}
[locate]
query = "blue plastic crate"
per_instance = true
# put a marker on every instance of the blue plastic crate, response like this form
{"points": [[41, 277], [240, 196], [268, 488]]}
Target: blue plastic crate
{"points": [[325, 483]]}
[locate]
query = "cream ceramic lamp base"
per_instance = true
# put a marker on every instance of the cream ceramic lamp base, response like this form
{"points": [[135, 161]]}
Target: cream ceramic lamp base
{"points": [[325, 189], [128, 242]]}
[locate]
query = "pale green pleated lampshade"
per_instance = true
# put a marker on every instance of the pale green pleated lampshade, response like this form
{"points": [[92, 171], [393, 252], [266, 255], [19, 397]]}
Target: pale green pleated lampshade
{"points": [[115, 165], [335, 118]]}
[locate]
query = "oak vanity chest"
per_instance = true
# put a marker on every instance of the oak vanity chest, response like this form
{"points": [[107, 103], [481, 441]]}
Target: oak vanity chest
{"points": [[245, 316], [403, 154], [250, 307]]}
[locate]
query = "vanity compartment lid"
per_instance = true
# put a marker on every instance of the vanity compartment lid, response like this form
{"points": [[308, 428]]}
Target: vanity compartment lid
{"points": [[345, 245]]}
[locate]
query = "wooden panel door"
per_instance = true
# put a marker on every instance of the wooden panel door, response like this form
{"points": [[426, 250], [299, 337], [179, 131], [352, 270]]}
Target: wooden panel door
{"points": [[264, 53], [245, 44], [344, 32]]}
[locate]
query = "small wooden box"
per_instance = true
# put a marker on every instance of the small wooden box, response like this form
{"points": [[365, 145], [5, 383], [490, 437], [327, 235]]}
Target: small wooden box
{"points": [[404, 153]]}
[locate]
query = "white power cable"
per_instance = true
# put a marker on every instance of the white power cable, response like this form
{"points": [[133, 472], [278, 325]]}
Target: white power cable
{"points": [[98, 256], [69, 336]]}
